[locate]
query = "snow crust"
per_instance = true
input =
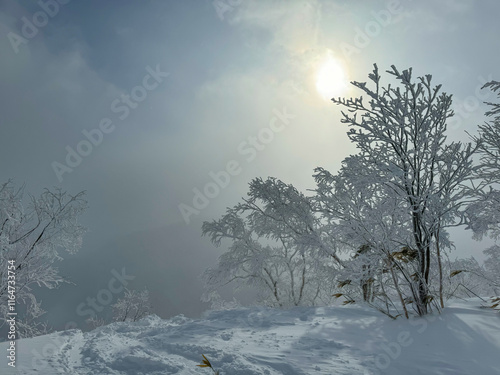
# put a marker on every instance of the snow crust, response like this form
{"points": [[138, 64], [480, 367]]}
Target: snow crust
{"points": [[463, 340]]}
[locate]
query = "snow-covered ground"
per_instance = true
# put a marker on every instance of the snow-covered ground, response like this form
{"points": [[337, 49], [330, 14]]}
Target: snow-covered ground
{"points": [[465, 339]]}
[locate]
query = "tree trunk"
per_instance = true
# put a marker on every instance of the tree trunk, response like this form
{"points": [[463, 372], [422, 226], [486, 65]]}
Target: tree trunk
{"points": [[440, 269], [422, 274], [396, 285]]}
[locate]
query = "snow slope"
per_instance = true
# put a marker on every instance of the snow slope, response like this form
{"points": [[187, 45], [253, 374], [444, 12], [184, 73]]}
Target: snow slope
{"points": [[465, 339]]}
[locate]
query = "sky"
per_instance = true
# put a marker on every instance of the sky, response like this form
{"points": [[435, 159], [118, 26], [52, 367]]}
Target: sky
{"points": [[147, 104]]}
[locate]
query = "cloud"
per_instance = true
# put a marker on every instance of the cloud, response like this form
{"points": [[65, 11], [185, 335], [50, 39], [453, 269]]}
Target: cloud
{"points": [[445, 16], [294, 26]]}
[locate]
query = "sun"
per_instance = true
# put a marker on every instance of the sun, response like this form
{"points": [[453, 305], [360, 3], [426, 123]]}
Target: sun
{"points": [[331, 79]]}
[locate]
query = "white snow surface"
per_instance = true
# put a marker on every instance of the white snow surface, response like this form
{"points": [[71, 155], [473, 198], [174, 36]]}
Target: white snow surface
{"points": [[464, 339]]}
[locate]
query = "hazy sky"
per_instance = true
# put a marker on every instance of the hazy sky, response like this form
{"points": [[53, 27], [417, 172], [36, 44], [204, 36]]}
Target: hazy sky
{"points": [[173, 92]]}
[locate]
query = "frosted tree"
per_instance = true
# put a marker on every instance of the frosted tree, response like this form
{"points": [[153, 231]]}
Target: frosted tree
{"points": [[492, 267], [389, 207], [401, 135], [133, 306], [369, 223], [484, 213], [467, 279], [489, 137], [95, 322], [31, 237], [30, 325], [273, 239]]}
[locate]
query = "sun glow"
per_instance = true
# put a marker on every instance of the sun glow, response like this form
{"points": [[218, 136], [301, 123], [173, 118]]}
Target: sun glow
{"points": [[331, 79]]}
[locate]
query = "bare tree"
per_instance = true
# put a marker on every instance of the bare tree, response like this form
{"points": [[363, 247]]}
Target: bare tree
{"points": [[492, 268], [30, 240], [401, 136], [484, 214], [95, 322], [367, 221], [390, 206], [133, 306], [274, 246]]}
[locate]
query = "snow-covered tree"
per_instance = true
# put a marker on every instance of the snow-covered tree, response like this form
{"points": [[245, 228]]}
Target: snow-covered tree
{"points": [[31, 237], [95, 322], [378, 228], [369, 223], [484, 213], [274, 236], [401, 137], [492, 267], [467, 279], [133, 306], [489, 135]]}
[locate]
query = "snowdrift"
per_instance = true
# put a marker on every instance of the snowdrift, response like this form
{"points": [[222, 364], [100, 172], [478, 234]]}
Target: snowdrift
{"points": [[463, 340]]}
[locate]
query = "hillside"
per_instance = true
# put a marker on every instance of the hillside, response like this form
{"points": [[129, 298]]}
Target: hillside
{"points": [[352, 340]]}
